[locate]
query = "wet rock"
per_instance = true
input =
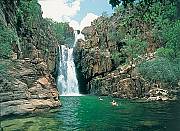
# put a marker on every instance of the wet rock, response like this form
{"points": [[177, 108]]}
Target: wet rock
{"points": [[159, 94]]}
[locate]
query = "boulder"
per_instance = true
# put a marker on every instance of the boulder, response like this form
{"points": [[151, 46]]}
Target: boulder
{"points": [[158, 94]]}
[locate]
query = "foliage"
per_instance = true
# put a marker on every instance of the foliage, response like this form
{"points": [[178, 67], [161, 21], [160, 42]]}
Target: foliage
{"points": [[29, 10], [118, 58], [104, 14], [119, 9], [3, 69], [146, 26], [115, 3], [7, 36], [63, 32], [170, 34], [165, 27], [161, 70], [116, 35], [165, 52], [153, 24], [134, 47]]}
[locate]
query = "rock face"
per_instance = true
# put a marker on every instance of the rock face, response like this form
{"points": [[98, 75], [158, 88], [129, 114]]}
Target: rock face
{"points": [[98, 71], [24, 88], [96, 68], [26, 82], [91, 62]]}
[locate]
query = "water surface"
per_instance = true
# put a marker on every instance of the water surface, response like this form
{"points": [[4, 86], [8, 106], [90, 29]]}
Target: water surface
{"points": [[89, 114]]}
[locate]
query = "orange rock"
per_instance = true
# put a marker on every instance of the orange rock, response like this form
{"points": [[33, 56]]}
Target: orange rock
{"points": [[43, 81], [54, 94]]}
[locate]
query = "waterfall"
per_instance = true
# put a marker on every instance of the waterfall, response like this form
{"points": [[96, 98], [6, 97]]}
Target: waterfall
{"points": [[67, 82]]}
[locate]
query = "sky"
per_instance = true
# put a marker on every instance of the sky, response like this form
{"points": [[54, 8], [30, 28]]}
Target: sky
{"points": [[79, 13]]}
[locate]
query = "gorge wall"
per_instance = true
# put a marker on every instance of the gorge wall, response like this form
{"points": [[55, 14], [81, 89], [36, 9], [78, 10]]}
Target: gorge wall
{"points": [[29, 50], [101, 61], [97, 69]]}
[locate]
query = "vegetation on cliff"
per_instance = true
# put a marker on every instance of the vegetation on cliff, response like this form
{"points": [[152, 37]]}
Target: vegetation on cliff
{"points": [[140, 45], [158, 26], [6, 38], [63, 33], [28, 54], [23, 27]]}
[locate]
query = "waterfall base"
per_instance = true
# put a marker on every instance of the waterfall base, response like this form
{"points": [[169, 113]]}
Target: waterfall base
{"points": [[67, 81], [72, 94]]}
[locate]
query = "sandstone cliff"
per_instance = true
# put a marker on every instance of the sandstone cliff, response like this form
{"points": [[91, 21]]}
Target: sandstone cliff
{"points": [[101, 67], [97, 70], [26, 71]]}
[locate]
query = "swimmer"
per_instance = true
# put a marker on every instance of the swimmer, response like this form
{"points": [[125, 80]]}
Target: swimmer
{"points": [[100, 99], [114, 103]]}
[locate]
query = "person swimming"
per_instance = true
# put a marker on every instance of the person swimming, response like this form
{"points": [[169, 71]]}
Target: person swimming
{"points": [[114, 103], [100, 99]]}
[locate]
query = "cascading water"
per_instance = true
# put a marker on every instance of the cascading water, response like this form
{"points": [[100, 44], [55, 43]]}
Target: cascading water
{"points": [[67, 81]]}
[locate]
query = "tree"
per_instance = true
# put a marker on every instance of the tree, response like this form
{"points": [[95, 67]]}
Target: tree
{"points": [[170, 34], [134, 48], [115, 3], [7, 36], [63, 32], [30, 10]]}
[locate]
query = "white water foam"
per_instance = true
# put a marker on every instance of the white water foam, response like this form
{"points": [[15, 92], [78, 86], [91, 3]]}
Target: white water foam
{"points": [[67, 81]]}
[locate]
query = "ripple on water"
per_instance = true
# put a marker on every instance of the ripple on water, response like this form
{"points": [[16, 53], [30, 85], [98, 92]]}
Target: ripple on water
{"points": [[88, 113]]}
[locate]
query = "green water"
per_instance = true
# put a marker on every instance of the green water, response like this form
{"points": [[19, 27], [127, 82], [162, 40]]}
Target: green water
{"points": [[87, 113]]}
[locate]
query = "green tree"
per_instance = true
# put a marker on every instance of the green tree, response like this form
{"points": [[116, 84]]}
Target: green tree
{"points": [[7, 36], [115, 3], [63, 32], [134, 48], [30, 10], [148, 3], [170, 34]]}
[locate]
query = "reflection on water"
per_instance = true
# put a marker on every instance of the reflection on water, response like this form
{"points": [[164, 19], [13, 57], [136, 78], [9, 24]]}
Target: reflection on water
{"points": [[88, 113]]}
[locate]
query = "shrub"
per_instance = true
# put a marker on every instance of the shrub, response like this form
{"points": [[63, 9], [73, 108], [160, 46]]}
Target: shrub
{"points": [[162, 70], [165, 52], [172, 36], [134, 48], [3, 69], [118, 58], [6, 38]]}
